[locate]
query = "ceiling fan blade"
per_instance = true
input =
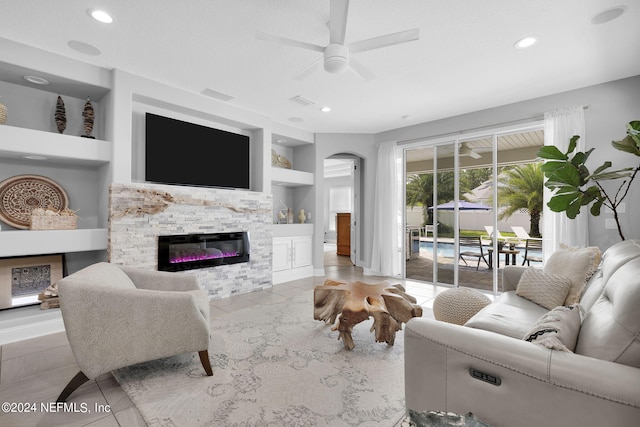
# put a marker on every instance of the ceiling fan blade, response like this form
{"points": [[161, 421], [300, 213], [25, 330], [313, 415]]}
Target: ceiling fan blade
{"points": [[384, 41], [289, 42], [338, 21], [362, 71], [309, 70]]}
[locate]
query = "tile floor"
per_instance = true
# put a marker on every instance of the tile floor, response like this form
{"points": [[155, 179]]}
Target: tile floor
{"points": [[106, 403]]}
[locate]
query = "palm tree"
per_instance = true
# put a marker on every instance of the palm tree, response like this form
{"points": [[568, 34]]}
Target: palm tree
{"points": [[420, 191], [522, 189]]}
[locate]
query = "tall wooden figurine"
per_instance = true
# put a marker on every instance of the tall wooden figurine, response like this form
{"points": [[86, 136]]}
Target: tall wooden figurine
{"points": [[60, 115], [87, 114]]}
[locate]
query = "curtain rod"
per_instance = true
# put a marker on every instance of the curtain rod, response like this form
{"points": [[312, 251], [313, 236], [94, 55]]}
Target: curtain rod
{"points": [[462, 132]]}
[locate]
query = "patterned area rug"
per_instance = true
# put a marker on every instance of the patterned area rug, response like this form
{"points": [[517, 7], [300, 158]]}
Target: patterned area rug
{"points": [[273, 365]]}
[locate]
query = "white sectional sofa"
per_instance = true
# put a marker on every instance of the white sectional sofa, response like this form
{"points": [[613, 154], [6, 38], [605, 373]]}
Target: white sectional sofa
{"points": [[485, 367]]}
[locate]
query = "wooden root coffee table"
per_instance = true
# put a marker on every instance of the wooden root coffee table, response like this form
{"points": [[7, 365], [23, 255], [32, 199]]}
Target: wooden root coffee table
{"points": [[387, 303]]}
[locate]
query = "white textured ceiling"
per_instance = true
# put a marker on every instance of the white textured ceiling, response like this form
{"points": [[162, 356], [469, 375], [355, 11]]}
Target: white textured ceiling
{"points": [[464, 60]]}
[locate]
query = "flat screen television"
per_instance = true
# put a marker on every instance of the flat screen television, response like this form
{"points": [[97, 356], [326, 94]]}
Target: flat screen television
{"points": [[183, 153]]}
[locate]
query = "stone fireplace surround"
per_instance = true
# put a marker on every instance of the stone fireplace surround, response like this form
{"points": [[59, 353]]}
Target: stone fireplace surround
{"points": [[139, 213]]}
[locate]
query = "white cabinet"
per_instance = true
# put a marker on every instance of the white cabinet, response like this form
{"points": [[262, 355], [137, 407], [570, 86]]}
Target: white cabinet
{"points": [[292, 258]]}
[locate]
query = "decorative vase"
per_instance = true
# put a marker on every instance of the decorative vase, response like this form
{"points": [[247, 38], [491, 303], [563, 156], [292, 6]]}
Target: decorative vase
{"points": [[289, 216], [3, 114], [301, 216]]}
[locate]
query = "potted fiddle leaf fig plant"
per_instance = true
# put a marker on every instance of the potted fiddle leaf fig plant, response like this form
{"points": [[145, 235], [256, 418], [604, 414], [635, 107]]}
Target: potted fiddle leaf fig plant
{"points": [[574, 186]]}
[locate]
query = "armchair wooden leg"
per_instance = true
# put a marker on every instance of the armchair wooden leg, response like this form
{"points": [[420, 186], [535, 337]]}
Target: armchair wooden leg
{"points": [[75, 382], [204, 358]]}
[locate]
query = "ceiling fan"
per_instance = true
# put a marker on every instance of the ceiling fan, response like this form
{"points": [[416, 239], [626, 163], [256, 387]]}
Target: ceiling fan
{"points": [[337, 55], [474, 153]]}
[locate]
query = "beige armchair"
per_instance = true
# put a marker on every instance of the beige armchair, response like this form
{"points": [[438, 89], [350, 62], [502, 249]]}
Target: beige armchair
{"points": [[116, 316]]}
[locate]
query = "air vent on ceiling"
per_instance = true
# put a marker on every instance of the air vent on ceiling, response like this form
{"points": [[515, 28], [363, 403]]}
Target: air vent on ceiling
{"points": [[301, 100], [217, 95]]}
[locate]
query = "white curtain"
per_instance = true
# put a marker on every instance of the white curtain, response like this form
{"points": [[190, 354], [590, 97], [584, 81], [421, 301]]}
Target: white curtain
{"points": [[386, 252], [559, 127]]}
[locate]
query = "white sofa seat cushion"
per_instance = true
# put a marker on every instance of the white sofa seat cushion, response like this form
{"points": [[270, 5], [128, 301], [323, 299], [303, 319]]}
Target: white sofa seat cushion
{"points": [[510, 315]]}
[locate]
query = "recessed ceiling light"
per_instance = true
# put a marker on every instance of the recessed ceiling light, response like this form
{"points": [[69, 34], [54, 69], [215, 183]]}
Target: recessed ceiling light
{"points": [[36, 80], [35, 157], [83, 47], [280, 141], [325, 109], [525, 42], [100, 16], [608, 15]]}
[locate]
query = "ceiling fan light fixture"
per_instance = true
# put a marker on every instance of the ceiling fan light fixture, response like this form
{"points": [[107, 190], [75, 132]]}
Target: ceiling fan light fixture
{"points": [[336, 58], [100, 16], [525, 42]]}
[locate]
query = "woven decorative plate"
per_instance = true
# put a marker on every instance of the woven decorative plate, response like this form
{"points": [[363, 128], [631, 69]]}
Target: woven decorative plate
{"points": [[20, 194]]}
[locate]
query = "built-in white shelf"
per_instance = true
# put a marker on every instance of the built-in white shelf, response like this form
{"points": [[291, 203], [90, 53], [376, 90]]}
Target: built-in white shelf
{"points": [[39, 242], [290, 177], [16, 142], [288, 230], [23, 323]]}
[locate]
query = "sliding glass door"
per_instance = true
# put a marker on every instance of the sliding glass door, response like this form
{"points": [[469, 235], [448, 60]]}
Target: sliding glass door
{"points": [[465, 200]]}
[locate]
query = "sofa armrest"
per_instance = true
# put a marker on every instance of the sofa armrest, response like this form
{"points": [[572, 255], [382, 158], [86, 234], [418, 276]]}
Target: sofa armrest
{"points": [[510, 277], [121, 327], [161, 280], [538, 386]]}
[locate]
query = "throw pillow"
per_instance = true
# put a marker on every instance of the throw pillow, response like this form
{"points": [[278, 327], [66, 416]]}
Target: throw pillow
{"points": [[545, 289], [557, 329], [578, 264]]}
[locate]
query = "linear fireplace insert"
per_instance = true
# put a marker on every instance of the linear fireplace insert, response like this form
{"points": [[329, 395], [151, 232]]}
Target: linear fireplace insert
{"points": [[191, 251]]}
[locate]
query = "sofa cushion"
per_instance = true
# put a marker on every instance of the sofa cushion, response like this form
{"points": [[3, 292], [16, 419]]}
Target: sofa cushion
{"points": [[611, 328], [557, 329], [510, 315], [545, 289], [578, 264]]}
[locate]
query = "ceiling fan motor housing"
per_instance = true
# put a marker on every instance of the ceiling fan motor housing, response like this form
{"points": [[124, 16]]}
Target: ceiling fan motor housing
{"points": [[336, 58]]}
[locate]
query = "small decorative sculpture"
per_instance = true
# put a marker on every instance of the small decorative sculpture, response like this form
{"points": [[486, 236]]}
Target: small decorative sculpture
{"points": [[3, 114], [88, 115], [60, 115], [301, 216]]}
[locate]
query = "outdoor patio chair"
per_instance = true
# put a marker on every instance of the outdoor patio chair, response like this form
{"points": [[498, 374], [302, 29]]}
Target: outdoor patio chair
{"points": [[521, 233], [490, 233], [533, 244], [472, 242]]}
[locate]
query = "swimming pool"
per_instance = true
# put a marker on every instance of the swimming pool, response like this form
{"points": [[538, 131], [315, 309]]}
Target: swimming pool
{"points": [[445, 250]]}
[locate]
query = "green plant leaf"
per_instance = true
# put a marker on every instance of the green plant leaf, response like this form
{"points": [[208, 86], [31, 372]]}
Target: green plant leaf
{"points": [[561, 203], [550, 166], [574, 207], [595, 208], [551, 152], [612, 175], [572, 143], [627, 144], [604, 166], [567, 174]]}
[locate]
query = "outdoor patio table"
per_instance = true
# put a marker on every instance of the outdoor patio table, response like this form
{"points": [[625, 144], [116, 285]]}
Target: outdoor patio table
{"points": [[506, 252]]}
